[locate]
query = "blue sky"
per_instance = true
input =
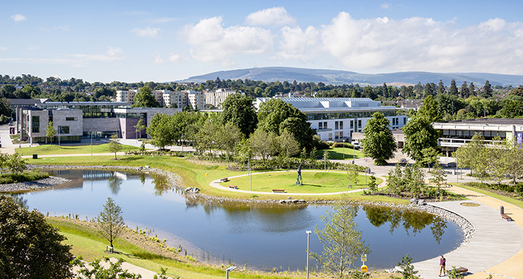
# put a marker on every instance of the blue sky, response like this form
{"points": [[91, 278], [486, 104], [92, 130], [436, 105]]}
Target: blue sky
{"points": [[173, 40]]}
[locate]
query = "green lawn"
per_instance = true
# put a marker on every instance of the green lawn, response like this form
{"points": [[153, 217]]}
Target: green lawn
{"points": [[87, 243], [494, 195], [313, 182], [51, 149], [193, 175], [340, 153]]}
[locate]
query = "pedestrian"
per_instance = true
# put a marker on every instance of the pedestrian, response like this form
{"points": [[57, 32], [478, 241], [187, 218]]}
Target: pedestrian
{"points": [[442, 262]]}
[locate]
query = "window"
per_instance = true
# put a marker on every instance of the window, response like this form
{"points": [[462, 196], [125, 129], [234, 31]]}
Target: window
{"points": [[320, 125], [359, 123], [341, 125], [341, 134], [352, 124], [36, 124], [336, 125], [63, 129], [405, 121], [330, 136], [71, 119], [324, 125], [336, 135]]}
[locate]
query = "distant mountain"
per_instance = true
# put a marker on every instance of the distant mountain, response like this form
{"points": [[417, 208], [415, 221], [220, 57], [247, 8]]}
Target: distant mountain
{"points": [[269, 74]]}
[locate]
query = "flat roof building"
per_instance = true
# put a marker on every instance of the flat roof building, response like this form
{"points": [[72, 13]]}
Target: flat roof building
{"points": [[335, 119]]}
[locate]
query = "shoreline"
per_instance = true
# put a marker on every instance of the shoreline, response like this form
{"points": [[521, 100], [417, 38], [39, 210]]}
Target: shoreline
{"points": [[174, 180]]}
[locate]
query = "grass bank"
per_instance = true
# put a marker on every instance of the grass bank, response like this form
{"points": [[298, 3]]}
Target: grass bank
{"points": [[196, 174], [136, 249], [6, 178], [52, 149]]}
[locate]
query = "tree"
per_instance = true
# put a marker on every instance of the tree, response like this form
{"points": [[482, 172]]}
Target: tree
{"points": [[419, 134], [441, 87], [264, 143], [110, 221], [239, 110], [379, 143], [373, 186], [487, 90], [30, 247], [50, 131], [139, 128], [161, 130], [352, 175], [15, 163], [97, 271], [276, 115], [464, 90], [430, 109], [114, 145], [407, 268], [453, 90], [145, 99], [288, 145], [342, 242], [472, 89]]}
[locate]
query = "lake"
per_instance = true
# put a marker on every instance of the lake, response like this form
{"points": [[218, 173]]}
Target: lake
{"points": [[260, 236]]}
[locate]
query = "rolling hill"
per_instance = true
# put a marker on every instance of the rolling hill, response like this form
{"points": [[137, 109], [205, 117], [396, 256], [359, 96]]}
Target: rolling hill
{"points": [[269, 74]]}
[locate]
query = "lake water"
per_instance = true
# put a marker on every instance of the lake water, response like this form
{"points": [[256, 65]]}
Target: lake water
{"points": [[260, 236]]}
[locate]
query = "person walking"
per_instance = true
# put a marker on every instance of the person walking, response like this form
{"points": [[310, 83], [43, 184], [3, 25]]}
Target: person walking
{"points": [[442, 262]]}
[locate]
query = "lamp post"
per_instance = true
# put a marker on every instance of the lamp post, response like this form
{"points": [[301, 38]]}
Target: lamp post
{"points": [[230, 269], [91, 143], [308, 250]]}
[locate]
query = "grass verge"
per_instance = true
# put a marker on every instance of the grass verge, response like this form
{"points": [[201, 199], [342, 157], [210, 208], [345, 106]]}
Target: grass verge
{"points": [[510, 200], [6, 178], [52, 149]]}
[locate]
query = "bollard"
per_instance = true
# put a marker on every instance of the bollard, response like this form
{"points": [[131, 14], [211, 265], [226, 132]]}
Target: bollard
{"points": [[501, 209]]}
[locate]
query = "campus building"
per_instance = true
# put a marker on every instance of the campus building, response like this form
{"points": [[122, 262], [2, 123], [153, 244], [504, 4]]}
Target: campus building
{"points": [[76, 120], [335, 119], [217, 97], [460, 132]]}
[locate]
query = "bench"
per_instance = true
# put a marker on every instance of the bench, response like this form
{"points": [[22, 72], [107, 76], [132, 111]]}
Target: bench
{"points": [[278, 191], [233, 186], [225, 179], [506, 217]]}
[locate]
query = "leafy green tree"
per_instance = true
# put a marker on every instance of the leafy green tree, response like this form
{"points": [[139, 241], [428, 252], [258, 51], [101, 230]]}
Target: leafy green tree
{"points": [[161, 130], [414, 180], [50, 131], [276, 115], [264, 144], [342, 242], [430, 156], [114, 145], [395, 181], [373, 186], [239, 110], [29, 247], [288, 145], [487, 90], [430, 109], [110, 221], [139, 127], [95, 270], [379, 143], [14, 163], [407, 268], [228, 137], [453, 90], [441, 87], [438, 177], [518, 91], [145, 99], [352, 175], [419, 134]]}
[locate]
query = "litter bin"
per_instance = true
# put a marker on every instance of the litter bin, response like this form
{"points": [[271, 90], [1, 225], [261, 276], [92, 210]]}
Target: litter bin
{"points": [[35, 156]]}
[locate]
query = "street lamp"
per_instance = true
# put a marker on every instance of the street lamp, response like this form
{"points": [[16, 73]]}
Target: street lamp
{"points": [[230, 269], [308, 250]]}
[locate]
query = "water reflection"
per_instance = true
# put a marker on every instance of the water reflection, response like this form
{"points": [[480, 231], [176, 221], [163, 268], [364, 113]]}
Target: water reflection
{"points": [[412, 221], [261, 235]]}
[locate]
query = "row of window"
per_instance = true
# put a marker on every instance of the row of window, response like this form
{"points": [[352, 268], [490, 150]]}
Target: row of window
{"points": [[337, 135], [470, 134], [343, 115], [338, 125]]}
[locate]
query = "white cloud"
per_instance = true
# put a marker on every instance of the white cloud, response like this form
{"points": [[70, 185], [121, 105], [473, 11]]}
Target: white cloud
{"points": [[175, 58], [211, 42], [424, 44], [385, 6], [298, 44], [147, 32], [158, 60], [18, 17], [276, 16]]}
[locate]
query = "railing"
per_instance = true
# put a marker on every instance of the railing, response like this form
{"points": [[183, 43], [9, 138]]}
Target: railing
{"points": [[449, 142]]}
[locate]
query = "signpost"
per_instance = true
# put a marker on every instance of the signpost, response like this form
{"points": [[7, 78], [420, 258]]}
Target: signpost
{"points": [[364, 268]]}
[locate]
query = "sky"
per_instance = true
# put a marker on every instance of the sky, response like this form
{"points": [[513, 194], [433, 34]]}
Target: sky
{"points": [[166, 41]]}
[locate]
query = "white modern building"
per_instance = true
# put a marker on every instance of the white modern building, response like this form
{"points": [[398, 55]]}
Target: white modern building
{"points": [[126, 96], [217, 97], [335, 119], [196, 99]]}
